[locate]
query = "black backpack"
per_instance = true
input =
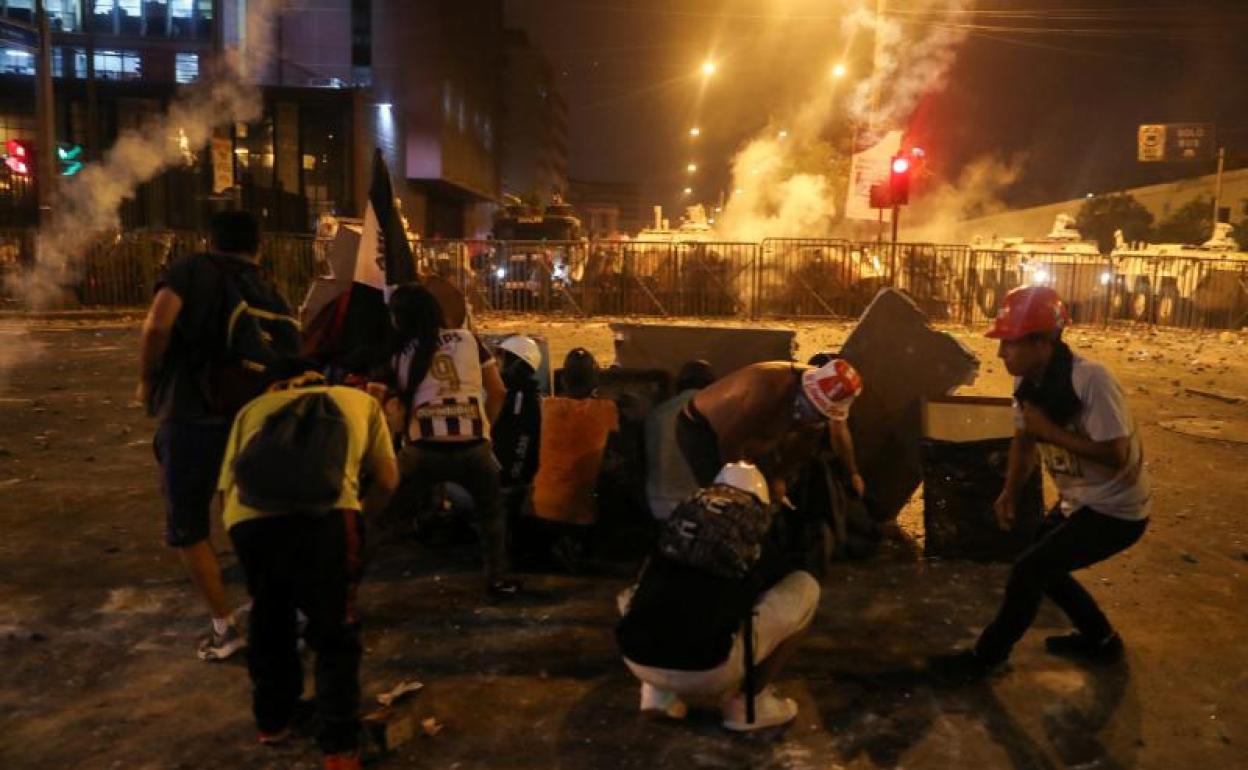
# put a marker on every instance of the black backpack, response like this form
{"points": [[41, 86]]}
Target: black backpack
{"points": [[720, 529], [258, 330], [297, 460]]}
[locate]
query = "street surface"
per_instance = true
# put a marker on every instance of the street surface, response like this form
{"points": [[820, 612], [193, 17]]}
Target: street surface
{"points": [[98, 624]]}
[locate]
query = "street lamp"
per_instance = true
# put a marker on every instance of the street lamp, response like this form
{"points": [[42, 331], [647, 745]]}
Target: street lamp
{"points": [[695, 132], [691, 168], [708, 68], [688, 191], [838, 71], [783, 134]]}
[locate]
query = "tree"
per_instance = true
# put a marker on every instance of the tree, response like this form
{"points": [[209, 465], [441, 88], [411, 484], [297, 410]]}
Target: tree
{"points": [[1190, 223], [1100, 216]]}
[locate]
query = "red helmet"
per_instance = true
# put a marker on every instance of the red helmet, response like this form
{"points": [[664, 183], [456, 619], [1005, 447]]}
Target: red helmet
{"points": [[1028, 310]]}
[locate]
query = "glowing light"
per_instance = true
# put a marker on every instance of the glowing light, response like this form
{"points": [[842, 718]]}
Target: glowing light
{"points": [[783, 134], [838, 71], [1041, 276], [385, 106], [900, 165], [709, 68], [695, 131], [688, 191], [500, 273], [692, 167], [1106, 278], [739, 190]]}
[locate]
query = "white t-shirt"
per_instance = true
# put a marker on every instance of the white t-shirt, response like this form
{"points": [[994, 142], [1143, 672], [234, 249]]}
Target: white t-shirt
{"points": [[1123, 494], [449, 401]]}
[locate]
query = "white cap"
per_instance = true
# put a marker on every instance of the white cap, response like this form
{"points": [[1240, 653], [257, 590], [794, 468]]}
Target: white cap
{"points": [[525, 348], [747, 478]]}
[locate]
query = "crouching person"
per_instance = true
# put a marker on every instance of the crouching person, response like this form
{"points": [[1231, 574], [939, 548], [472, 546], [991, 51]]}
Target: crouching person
{"points": [[293, 505], [716, 614]]}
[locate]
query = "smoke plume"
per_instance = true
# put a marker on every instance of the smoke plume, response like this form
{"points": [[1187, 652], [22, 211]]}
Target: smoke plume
{"points": [[789, 184], [87, 205], [938, 216]]}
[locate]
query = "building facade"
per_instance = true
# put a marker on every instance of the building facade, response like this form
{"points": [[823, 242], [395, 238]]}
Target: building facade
{"points": [[534, 151]]}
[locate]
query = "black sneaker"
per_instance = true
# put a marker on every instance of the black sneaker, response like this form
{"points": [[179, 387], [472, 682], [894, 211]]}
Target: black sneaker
{"points": [[962, 667], [1076, 645], [503, 588]]}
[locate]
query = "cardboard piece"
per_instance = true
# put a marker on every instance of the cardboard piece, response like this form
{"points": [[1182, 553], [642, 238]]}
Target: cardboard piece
{"points": [[902, 361], [650, 346]]}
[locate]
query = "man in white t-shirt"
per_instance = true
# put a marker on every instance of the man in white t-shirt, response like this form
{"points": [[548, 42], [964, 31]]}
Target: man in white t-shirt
{"points": [[1072, 415]]}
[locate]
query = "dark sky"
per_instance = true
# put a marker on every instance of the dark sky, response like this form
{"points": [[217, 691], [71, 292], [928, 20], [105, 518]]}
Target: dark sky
{"points": [[1065, 83]]}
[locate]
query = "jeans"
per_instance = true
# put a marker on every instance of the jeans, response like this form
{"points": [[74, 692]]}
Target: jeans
{"points": [[469, 464], [1063, 544], [311, 563]]}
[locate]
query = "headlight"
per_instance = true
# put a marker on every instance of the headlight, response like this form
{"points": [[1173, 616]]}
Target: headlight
{"points": [[1106, 278], [500, 272]]}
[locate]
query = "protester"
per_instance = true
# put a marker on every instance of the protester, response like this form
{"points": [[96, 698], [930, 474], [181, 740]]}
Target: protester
{"points": [[575, 428], [668, 478], [750, 414], [1072, 414], [517, 432], [294, 502], [214, 324], [452, 391], [685, 633]]}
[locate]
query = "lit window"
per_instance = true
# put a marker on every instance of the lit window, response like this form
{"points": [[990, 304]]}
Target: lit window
{"points": [[117, 65], [186, 67], [15, 61]]}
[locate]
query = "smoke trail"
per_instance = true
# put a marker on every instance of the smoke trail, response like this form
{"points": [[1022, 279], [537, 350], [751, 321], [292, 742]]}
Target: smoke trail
{"points": [[789, 186], [87, 205]]}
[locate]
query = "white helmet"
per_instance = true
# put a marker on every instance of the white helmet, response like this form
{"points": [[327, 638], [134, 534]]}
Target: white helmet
{"points": [[747, 478], [525, 348]]}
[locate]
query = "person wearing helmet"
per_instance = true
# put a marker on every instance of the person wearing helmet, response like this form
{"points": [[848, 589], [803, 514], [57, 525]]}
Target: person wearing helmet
{"points": [[751, 413], [517, 432], [1071, 415], [684, 633]]}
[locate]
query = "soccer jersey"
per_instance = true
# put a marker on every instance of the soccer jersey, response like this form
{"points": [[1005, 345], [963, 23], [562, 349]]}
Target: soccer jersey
{"points": [[449, 403]]}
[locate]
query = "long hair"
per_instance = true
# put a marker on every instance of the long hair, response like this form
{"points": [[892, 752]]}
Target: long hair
{"points": [[417, 322]]}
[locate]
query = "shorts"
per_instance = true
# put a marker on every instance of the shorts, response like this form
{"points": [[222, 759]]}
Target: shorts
{"points": [[699, 445], [782, 612], [190, 455]]}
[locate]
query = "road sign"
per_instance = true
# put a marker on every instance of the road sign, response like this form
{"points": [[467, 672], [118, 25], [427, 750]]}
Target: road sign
{"points": [[14, 33], [1177, 142], [1152, 143]]}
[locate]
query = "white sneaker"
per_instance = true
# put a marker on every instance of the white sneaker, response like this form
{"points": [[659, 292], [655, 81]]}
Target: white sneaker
{"points": [[214, 646], [662, 703], [770, 710]]}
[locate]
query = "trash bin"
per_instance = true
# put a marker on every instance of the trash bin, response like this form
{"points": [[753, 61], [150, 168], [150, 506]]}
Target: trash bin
{"points": [[965, 450]]}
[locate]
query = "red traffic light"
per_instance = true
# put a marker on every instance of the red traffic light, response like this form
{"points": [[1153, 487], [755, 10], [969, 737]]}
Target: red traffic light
{"points": [[18, 157], [901, 165]]}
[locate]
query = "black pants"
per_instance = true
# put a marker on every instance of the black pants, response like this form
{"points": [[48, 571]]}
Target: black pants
{"points": [[699, 445], [470, 465], [1063, 544], [312, 564]]}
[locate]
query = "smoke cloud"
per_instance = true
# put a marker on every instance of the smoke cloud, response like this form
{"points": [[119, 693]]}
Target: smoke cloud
{"points": [[938, 216], [789, 185], [86, 206]]}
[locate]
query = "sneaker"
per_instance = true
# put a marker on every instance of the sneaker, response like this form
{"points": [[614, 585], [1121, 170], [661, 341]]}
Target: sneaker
{"points": [[274, 739], [216, 646], [656, 702], [770, 710], [963, 667], [350, 761], [1076, 645], [503, 588]]}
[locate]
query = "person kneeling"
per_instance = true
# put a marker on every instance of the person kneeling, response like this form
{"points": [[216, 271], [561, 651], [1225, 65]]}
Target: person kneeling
{"points": [[716, 613]]}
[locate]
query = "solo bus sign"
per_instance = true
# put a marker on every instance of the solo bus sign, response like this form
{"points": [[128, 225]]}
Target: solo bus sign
{"points": [[1168, 142]]}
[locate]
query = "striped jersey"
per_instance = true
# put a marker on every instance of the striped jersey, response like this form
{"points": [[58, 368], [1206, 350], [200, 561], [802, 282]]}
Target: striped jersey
{"points": [[450, 401]]}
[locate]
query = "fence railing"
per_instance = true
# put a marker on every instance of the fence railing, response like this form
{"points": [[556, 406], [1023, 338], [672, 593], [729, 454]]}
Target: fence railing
{"points": [[778, 277]]}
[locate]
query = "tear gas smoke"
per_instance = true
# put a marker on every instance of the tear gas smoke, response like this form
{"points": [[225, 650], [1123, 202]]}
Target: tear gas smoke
{"points": [[939, 216], [787, 186], [87, 205]]}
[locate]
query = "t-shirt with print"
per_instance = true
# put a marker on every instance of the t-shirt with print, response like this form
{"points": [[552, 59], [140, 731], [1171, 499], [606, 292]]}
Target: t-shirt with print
{"points": [[574, 436], [368, 443], [1123, 494], [449, 403]]}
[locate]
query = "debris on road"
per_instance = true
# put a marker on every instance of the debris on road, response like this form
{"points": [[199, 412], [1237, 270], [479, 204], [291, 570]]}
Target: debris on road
{"points": [[1221, 430], [398, 691], [1225, 398]]}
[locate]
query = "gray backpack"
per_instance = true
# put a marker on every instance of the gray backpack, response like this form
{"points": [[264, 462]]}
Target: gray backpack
{"points": [[719, 529]]}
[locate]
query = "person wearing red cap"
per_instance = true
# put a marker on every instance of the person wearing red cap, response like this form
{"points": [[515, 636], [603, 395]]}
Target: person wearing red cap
{"points": [[1071, 414], [749, 414]]}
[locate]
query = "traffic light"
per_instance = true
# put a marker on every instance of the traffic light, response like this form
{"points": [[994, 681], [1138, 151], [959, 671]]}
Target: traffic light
{"points": [[899, 180], [19, 156]]}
